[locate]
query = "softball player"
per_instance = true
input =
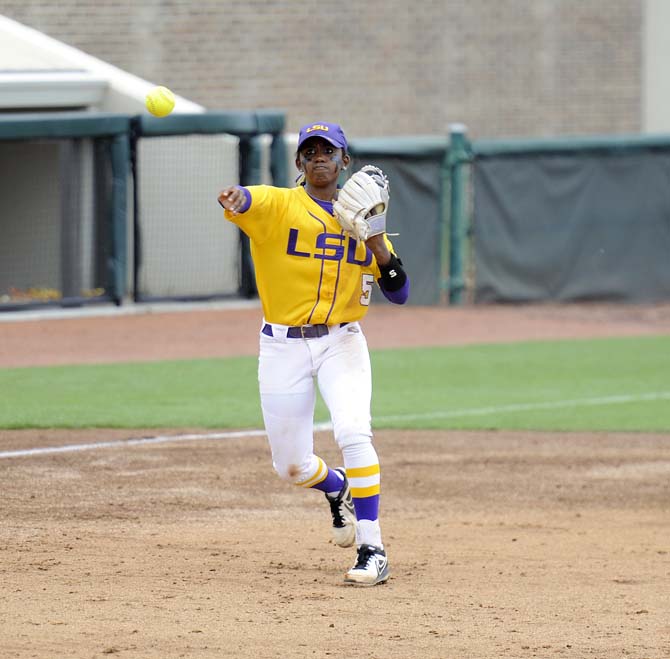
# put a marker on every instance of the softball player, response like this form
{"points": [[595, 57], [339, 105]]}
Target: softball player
{"points": [[314, 282]]}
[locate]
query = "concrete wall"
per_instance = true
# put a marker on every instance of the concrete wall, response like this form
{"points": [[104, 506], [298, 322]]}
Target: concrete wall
{"points": [[382, 67], [656, 67]]}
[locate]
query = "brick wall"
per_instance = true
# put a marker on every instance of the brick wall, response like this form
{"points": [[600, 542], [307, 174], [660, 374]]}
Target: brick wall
{"points": [[505, 68]]}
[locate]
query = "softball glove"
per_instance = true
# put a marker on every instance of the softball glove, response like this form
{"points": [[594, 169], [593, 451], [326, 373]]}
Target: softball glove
{"points": [[362, 202]]}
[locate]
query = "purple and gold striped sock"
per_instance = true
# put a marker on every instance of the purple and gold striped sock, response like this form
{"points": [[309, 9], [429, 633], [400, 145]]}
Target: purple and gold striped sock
{"points": [[324, 478], [365, 484]]}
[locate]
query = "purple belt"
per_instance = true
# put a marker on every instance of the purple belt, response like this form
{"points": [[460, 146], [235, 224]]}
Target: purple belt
{"points": [[302, 331]]}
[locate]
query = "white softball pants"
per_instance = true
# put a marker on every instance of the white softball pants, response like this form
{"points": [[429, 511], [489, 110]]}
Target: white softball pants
{"points": [[289, 371]]}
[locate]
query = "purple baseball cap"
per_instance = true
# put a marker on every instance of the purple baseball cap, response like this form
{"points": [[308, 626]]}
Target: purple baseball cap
{"points": [[332, 133]]}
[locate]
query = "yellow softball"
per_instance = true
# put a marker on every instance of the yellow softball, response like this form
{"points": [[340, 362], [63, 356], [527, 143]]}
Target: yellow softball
{"points": [[160, 101]]}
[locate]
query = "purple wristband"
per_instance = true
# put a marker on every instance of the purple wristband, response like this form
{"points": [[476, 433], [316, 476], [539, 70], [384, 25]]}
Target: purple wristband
{"points": [[247, 203], [397, 297]]}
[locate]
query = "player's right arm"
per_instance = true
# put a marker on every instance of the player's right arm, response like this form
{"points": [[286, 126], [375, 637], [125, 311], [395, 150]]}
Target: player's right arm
{"points": [[256, 209], [235, 199]]}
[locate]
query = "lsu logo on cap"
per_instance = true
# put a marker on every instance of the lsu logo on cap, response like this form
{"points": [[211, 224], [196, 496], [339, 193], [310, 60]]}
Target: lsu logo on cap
{"points": [[330, 132]]}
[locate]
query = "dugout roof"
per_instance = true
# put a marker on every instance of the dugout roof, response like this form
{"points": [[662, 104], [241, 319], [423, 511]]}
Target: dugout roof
{"points": [[38, 72]]}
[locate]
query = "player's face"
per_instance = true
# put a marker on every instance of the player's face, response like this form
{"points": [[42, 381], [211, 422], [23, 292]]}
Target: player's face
{"points": [[321, 162]]}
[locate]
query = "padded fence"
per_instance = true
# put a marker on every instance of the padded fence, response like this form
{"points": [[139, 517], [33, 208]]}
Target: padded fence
{"points": [[562, 220], [101, 208], [98, 208], [416, 168]]}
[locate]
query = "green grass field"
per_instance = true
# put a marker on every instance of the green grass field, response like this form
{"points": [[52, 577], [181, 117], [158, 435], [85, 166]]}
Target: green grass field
{"points": [[607, 384]]}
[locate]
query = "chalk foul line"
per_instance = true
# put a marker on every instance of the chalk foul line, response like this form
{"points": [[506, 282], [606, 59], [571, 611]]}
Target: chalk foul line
{"points": [[529, 407], [439, 414]]}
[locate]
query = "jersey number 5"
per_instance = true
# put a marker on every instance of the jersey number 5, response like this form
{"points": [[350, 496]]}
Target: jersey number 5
{"points": [[366, 286]]}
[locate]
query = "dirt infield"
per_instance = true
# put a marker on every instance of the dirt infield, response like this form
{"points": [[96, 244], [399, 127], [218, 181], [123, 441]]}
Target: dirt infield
{"points": [[225, 333], [501, 544]]}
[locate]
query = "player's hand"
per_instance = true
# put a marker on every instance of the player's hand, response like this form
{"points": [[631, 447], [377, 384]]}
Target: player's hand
{"points": [[232, 199]]}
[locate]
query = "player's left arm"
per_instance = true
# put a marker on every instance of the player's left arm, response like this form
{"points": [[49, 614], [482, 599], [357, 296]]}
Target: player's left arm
{"points": [[393, 280]]}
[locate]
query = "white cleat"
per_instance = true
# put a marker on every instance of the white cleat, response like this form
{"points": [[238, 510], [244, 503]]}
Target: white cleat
{"points": [[372, 567], [344, 516]]}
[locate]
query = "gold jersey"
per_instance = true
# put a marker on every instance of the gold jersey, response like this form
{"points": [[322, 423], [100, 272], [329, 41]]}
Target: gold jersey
{"points": [[308, 271]]}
